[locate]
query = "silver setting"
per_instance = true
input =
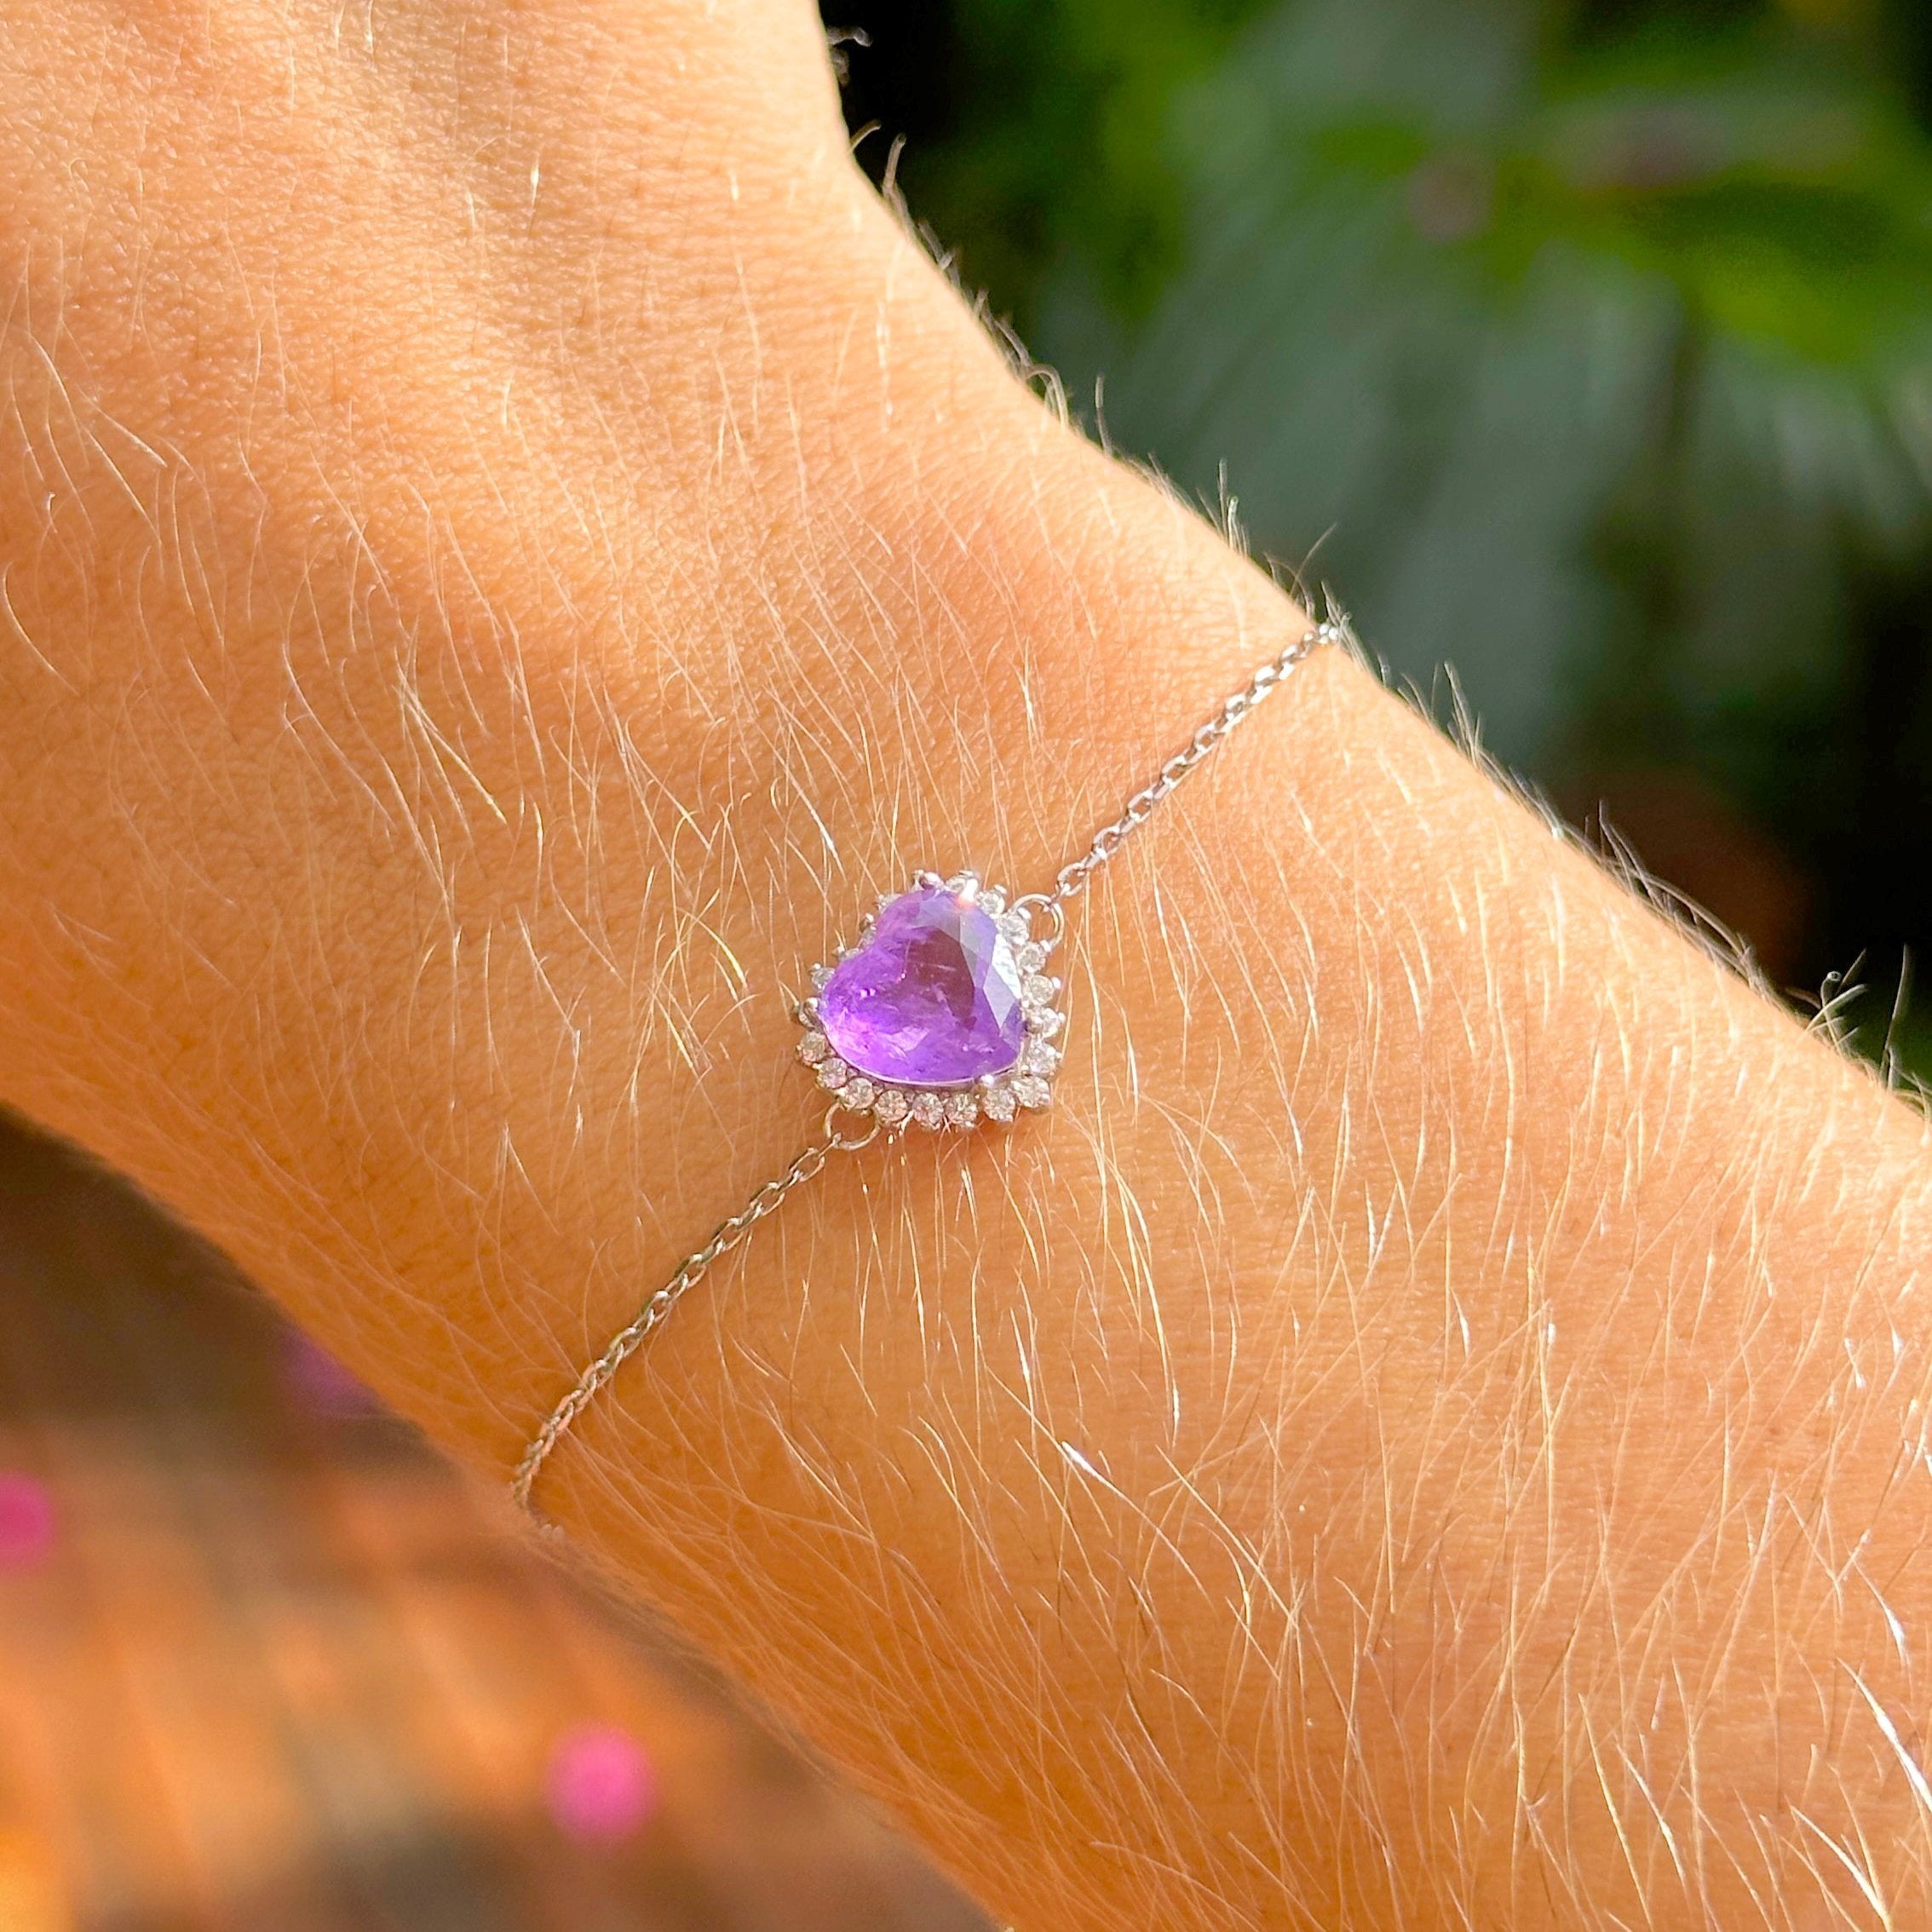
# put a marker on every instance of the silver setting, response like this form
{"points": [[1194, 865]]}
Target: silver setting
{"points": [[998, 1103], [1031, 928]]}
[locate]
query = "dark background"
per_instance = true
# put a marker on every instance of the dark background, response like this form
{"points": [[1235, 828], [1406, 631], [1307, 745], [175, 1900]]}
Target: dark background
{"points": [[1586, 348]]}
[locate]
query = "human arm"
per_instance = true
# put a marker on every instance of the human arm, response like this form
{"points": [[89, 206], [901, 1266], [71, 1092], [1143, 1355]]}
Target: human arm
{"points": [[506, 547]]}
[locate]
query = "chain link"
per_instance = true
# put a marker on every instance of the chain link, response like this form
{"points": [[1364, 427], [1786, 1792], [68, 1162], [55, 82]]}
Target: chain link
{"points": [[767, 1198], [1073, 880], [1069, 883]]}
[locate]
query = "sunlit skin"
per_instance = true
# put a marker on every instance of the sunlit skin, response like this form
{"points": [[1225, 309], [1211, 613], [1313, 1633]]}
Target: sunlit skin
{"points": [[508, 548]]}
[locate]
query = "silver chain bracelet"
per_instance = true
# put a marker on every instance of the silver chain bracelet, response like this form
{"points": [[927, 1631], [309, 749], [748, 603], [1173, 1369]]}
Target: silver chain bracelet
{"points": [[939, 1013]]}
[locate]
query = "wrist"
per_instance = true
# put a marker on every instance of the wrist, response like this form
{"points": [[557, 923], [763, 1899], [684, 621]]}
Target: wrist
{"points": [[1252, 1338]]}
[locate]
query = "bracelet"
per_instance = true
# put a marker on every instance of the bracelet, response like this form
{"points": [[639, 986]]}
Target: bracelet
{"points": [[939, 1013]]}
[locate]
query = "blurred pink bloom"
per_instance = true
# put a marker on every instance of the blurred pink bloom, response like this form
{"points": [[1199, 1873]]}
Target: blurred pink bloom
{"points": [[26, 1521], [600, 1787]]}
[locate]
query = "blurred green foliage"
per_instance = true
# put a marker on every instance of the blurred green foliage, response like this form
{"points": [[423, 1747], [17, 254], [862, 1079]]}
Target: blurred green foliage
{"points": [[1061, 145], [1586, 347]]}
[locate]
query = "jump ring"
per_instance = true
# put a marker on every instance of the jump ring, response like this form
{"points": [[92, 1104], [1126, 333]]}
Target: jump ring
{"points": [[835, 1114], [1039, 905]]}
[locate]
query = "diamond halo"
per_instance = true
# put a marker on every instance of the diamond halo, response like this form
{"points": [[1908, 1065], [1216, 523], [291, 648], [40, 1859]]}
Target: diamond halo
{"points": [[959, 970]]}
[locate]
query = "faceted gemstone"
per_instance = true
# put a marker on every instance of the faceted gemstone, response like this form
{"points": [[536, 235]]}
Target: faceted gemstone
{"points": [[932, 998]]}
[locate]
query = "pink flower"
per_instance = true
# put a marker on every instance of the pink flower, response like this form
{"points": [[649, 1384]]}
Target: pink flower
{"points": [[600, 1785], [27, 1521]]}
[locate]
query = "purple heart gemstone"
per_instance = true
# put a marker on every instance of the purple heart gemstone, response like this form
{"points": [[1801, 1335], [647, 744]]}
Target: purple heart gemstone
{"points": [[932, 997]]}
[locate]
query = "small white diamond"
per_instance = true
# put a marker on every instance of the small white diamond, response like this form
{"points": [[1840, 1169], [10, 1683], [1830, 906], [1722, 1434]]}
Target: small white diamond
{"points": [[1047, 1021], [1038, 990], [857, 1092], [929, 1109], [992, 901], [998, 1103], [1014, 927], [1030, 1090], [962, 1110], [833, 1072], [1036, 1056], [890, 1107], [1032, 956], [814, 1048], [819, 975]]}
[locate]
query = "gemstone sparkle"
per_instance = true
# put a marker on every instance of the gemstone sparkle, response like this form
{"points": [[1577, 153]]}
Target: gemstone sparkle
{"points": [[931, 998]]}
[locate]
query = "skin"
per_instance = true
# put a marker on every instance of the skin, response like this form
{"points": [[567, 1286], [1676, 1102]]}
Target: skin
{"points": [[507, 547]]}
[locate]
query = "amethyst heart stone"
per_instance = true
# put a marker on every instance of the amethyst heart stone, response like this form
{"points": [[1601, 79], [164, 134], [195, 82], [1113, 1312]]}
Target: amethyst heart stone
{"points": [[940, 1014], [931, 999]]}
